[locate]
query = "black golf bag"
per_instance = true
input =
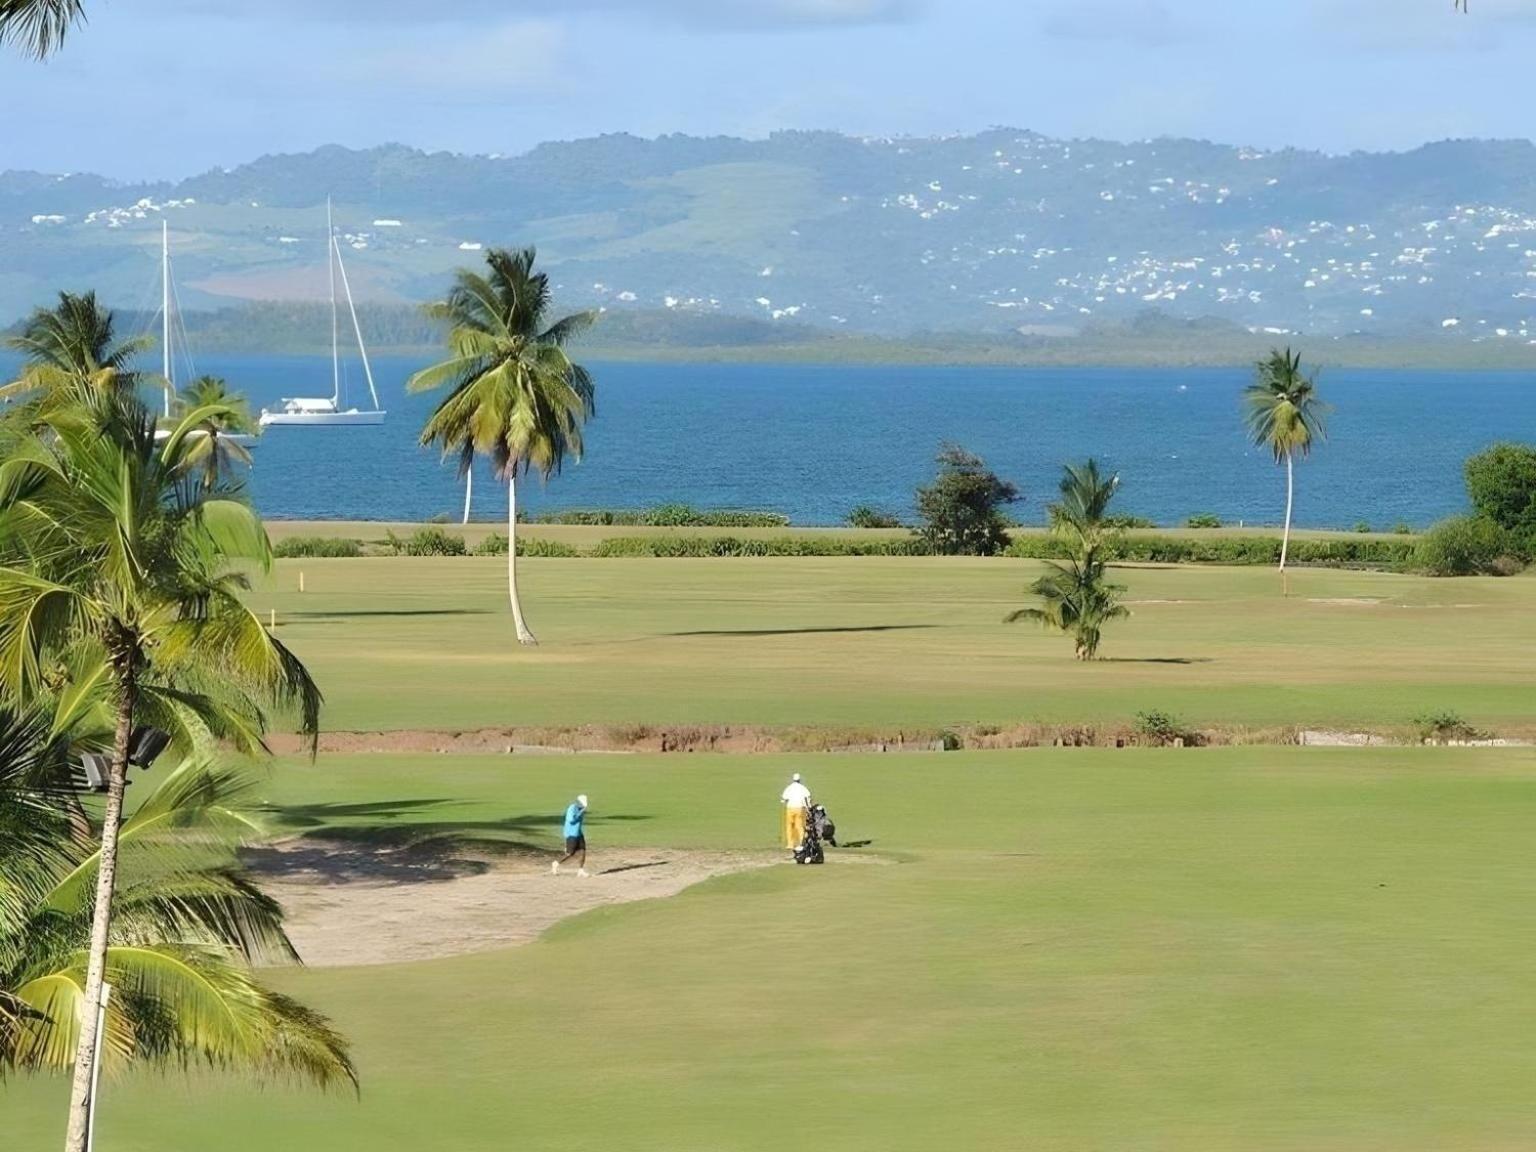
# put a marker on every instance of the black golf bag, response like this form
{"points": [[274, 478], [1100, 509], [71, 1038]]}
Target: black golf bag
{"points": [[819, 829]]}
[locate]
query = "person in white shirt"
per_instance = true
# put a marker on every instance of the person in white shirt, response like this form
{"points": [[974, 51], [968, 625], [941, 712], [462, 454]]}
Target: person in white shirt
{"points": [[796, 799]]}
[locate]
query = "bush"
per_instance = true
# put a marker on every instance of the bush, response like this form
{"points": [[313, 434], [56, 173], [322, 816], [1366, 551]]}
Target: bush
{"points": [[494, 545], [866, 517], [707, 547], [1122, 522], [326, 547], [1502, 485], [1402, 529], [962, 510], [1466, 546], [539, 549], [1443, 727], [668, 516], [1362, 527], [429, 541], [1203, 520], [1162, 728]]}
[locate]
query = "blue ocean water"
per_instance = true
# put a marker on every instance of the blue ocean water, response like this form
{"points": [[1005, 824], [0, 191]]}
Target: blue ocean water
{"points": [[814, 441]]}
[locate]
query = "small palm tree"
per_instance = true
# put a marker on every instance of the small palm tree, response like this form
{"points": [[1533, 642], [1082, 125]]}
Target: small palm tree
{"points": [[1285, 415], [108, 543], [72, 347], [1076, 596], [212, 450], [37, 27], [187, 926], [516, 395]]}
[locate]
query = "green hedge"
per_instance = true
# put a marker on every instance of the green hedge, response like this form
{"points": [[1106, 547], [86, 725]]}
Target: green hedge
{"points": [[702, 547], [1234, 550], [667, 516], [328, 547]]}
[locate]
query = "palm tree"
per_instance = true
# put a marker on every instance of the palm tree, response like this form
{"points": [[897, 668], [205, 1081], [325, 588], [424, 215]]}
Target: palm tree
{"points": [[516, 396], [109, 542], [1076, 597], [213, 451], [1285, 416], [186, 928], [38, 26], [71, 347]]}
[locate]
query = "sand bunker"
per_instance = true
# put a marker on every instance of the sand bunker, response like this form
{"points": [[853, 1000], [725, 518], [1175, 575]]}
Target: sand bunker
{"points": [[356, 904]]}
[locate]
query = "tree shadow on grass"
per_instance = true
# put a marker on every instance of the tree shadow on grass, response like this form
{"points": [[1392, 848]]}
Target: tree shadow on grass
{"points": [[1157, 660], [389, 613], [375, 844], [806, 631]]}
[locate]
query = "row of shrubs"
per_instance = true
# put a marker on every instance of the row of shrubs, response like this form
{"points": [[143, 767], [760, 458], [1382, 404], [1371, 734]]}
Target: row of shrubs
{"points": [[667, 516], [1237, 550]]}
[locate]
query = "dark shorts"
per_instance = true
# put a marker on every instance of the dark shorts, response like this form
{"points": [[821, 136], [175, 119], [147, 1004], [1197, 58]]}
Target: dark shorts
{"points": [[574, 844]]}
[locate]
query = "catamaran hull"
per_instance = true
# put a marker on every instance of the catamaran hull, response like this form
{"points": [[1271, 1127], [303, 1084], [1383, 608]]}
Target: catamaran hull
{"points": [[321, 419]]}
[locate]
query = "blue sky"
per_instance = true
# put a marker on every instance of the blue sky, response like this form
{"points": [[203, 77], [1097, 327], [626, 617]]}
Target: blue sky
{"points": [[173, 87]]}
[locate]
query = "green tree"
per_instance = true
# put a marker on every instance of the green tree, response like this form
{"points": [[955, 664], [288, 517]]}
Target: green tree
{"points": [[515, 395], [213, 449], [38, 27], [1076, 597], [187, 927], [961, 511], [1502, 485], [72, 347], [107, 545], [1285, 416]]}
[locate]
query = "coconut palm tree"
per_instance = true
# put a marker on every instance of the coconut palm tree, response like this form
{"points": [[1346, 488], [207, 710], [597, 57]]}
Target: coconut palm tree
{"points": [[37, 27], [1284, 415], [515, 396], [1076, 596], [212, 450], [73, 346], [108, 541], [186, 927]]}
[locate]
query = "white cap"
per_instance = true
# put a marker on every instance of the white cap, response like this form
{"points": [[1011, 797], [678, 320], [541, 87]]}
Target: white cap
{"points": [[796, 777], [582, 800]]}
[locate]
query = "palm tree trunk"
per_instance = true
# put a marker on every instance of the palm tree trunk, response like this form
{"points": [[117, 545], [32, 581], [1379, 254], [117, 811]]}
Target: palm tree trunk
{"points": [[524, 636], [469, 490], [80, 1102], [1290, 499]]}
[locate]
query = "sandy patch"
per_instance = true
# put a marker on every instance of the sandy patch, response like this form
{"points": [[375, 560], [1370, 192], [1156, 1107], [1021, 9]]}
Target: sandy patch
{"points": [[351, 904], [1346, 602]]}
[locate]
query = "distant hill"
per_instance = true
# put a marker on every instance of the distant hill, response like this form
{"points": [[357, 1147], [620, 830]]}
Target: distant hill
{"points": [[1004, 235]]}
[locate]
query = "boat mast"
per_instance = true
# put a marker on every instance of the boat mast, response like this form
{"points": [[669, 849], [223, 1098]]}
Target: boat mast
{"points": [[166, 368], [356, 327], [330, 267]]}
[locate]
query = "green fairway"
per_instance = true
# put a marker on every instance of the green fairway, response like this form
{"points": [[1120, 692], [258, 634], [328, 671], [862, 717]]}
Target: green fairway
{"points": [[891, 643], [1255, 949]]}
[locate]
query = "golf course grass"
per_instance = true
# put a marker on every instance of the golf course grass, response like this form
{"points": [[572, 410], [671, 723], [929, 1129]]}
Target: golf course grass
{"points": [[893, 643], [1256, 949]]}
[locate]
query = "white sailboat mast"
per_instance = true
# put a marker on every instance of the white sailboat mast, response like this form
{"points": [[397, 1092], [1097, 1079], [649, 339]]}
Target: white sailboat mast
{"points": [[357, 328], [330, 267], [166, 367]]}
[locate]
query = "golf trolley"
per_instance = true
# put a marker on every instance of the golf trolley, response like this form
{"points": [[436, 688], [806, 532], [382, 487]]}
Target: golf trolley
{"points": [[819, 830]]}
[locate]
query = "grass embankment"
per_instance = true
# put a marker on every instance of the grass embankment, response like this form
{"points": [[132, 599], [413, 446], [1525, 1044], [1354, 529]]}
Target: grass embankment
{"points": [[893, 644], [1264, 950]]}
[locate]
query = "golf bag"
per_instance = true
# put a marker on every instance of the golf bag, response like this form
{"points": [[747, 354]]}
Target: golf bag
{"points": [[826, 831]]}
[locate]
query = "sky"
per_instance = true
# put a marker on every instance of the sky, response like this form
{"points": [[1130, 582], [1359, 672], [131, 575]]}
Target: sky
{"points": [[170, 88]]}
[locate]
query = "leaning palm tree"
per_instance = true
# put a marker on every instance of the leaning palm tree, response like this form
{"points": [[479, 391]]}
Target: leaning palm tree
{"points": [[1284, 415], [1076, 598], [516, 395], [214, 449], [187, 926], [108, 541], [37, 27], [73, 346]]}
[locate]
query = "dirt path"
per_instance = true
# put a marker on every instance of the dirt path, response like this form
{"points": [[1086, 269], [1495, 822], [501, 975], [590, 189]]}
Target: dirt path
{"points": [[352, 904]]}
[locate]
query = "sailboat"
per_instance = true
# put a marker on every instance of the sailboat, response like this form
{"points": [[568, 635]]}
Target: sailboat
{"points": [[326, 411], [168, 301]]}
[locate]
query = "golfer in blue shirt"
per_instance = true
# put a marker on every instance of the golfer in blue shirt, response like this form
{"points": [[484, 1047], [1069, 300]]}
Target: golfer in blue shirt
{"points": [[575, 838]]}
